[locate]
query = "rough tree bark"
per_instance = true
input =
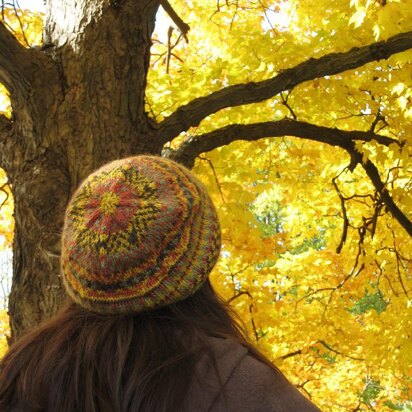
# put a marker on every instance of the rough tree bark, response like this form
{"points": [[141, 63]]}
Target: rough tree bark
{"points": [[78, 102]]}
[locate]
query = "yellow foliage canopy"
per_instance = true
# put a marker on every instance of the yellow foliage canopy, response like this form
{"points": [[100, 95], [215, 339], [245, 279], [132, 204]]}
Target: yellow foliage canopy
{"points": [[312, 260], [337, 323]]}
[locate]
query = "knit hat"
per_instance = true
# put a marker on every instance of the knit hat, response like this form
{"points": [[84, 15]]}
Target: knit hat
{"points": [[139, 233]]}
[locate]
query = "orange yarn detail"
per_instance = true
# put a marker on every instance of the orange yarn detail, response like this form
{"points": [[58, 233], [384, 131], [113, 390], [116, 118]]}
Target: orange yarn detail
{"points": [[139, 233]]}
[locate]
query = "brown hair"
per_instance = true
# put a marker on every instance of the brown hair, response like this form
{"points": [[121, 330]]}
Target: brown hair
{"points": [[83, 361]]}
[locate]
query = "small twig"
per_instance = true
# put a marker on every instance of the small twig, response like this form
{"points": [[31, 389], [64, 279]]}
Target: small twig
{"points": [[314, 292], [20, 24], [215, 175], [344, 213], [264, 8], [357, 407], [323, 343], [244, 292], [257, 337], [169, 48], [375, 216], [353, 115], [2, 189], [290, 354], [400, 277], [13, 5], [398, 264], [342, 282], [286, 104], [381, 272], [302, 386]]}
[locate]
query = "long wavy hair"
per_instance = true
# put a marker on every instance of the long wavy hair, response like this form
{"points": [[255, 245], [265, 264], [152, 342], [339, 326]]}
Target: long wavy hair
{"points": [[83, 361]]}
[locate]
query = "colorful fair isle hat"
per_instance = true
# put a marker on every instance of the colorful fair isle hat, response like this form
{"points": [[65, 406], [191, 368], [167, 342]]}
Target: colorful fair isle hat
{"points": [[139, 233]]}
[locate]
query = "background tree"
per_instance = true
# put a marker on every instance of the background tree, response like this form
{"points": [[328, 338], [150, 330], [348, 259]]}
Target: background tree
{"points": [[299, 123]]}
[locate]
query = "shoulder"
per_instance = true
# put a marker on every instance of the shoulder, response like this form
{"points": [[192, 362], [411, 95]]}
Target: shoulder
{"points": [[265, 389], [238, 382]]}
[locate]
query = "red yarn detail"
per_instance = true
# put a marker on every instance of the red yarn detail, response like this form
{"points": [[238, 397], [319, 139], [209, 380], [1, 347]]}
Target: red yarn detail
{"points": [[106, 223]]}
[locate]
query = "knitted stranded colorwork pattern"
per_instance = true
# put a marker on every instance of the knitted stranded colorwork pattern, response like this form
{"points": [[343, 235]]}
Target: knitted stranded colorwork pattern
{"points": [[139, 233]]}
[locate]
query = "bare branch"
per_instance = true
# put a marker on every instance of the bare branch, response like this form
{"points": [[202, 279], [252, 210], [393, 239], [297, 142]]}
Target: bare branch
{"points": [[344, 216], [290, 354], [15, 5], [323, 343], [286, 104], [181, 25], [216, 178], [302, 386], [194, 146], [195, 111], [327, 346], [244, 292], [373, 174], [5, 192]]}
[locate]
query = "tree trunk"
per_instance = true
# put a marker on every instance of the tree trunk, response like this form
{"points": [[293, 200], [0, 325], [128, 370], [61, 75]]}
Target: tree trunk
{"points": [[97, 62], [78, 102]]}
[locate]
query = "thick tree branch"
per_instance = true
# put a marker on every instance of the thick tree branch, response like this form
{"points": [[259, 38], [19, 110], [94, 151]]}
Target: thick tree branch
{"points": [[194, 146], [29, 76], [195, 111], [14, 60]]}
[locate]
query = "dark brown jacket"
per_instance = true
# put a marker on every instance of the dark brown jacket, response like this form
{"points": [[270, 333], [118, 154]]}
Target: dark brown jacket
{"points": [[249, 385]]}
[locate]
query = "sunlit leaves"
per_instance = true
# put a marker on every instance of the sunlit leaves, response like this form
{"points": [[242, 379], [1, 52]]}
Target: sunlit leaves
{"points": [[25, 25], [327, 318], [5, 107], [312, 259]]}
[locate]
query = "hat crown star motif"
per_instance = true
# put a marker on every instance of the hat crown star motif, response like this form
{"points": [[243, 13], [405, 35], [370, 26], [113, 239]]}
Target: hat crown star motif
{"points": [[139, 233], [109, 202]]}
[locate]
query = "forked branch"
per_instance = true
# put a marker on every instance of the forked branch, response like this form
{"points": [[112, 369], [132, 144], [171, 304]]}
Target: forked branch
{"points": [[374, 176], [181, 25], [195, 111], [14, 61], [194, 146]]}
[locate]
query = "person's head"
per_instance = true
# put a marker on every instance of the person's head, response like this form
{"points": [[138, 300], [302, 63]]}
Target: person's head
{"points": [[139, 233], [140, 238]]}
